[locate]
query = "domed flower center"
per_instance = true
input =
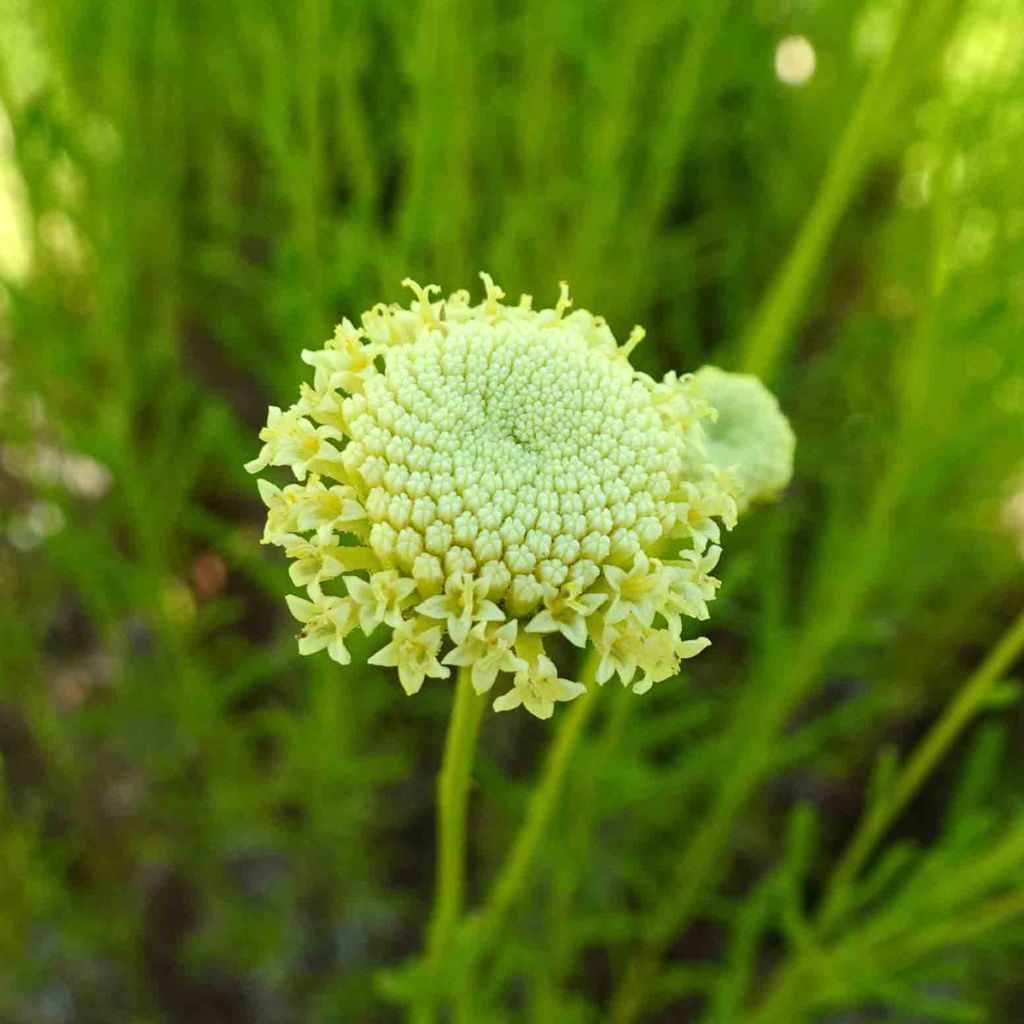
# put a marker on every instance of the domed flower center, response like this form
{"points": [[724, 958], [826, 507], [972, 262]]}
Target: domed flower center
{"points": [[536, 449]]}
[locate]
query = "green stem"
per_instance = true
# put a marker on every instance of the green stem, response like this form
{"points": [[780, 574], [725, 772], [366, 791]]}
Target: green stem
{"points": [[797, 984], [789, 991], [484, 924], [928, 753], [570, 874], [773, 323], [542, 805], [994, 914], [452, 794], [833, 609], [794, 977], [684, 88], [690, 883]]}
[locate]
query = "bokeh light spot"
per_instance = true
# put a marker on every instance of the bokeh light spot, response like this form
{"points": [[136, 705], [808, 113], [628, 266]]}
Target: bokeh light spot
{"points": [[795, 60]]}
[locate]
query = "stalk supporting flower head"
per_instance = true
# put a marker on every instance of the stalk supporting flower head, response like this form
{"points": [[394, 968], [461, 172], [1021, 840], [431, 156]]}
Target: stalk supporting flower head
{"points": [[480, 479], [748, 433]]}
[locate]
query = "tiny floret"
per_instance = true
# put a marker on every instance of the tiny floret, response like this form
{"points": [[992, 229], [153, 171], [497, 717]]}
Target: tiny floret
{"points": [[326, 621], [495, 484], [488, 648]]}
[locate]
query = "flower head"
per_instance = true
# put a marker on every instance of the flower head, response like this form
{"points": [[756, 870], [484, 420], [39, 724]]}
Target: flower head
{"points": [[749, 433], [497, 475]]}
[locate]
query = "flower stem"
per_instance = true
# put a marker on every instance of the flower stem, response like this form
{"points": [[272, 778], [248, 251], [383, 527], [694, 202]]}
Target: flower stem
{"points": [[486, 922], [789, 992], [583, 800], [771, 329], [452, 794], [542, 805]]}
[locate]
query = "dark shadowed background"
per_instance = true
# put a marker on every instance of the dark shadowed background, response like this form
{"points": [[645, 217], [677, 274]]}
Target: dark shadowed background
{"points": [[197, 825]]}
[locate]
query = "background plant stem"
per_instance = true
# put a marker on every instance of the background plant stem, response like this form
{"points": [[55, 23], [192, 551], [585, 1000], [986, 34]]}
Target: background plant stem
{"points": [[779, 312], [838, 594], [926, 756]]}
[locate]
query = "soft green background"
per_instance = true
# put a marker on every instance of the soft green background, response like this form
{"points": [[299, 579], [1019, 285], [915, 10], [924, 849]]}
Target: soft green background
{"points": [[196, 825]]}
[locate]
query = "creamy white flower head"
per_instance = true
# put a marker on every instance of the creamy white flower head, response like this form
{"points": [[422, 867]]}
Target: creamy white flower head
{"points": [[749, 434], [489, 481]]}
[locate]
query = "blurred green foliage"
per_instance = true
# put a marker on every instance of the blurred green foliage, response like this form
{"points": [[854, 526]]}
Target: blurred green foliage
{"points": [[196, 824]]}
